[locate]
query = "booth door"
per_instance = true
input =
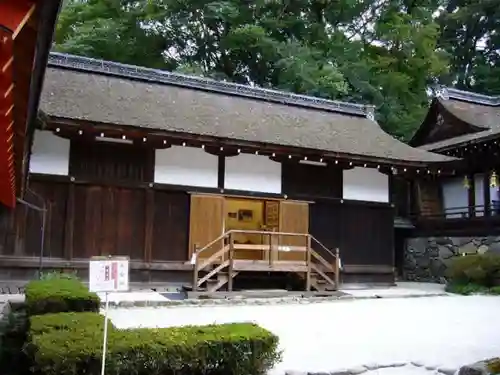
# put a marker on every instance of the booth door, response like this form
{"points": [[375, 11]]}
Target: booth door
{"points": [[293, 218], [206, 223]]}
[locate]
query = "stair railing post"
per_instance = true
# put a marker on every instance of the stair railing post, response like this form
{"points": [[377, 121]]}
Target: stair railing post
{"points": [[270, 252], [231, 263], [195, 267], [337, 268], [308, 264]]}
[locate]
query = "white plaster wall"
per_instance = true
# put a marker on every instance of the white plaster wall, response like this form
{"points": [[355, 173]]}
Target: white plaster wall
{"points": [[253, 173], [49, 154], [188, 166], [365, 184], [479, 191], [455, 195]]}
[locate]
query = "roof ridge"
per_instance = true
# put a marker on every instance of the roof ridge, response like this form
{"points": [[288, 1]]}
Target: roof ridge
{"points": [[446, 92], [87, 64]]}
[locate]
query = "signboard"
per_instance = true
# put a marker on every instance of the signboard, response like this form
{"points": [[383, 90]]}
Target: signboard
{"points": [[108, 274]]}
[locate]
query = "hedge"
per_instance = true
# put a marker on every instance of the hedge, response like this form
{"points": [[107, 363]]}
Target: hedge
{"points": [[13, 336], [66, 322], [481, 270], [239, 348], [59, 295]]}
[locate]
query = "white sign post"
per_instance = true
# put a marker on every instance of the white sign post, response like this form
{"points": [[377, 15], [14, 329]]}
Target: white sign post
{"points": [[108, 274]]}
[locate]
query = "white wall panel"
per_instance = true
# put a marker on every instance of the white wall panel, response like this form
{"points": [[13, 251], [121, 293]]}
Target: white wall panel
{"points": [[455, 197], [49, 154], [188, 166], [365, 184], [253, 173]]}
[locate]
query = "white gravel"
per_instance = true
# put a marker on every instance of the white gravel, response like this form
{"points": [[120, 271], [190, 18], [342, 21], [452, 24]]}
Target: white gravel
{"points": [[436, 331]]}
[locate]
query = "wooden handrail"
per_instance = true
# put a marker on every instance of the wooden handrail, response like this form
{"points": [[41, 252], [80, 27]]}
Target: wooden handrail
{"points": [[323, 246], [231, 247]]}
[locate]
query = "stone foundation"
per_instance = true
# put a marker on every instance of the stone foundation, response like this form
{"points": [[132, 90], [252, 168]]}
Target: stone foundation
{"points": [[426, 258]]}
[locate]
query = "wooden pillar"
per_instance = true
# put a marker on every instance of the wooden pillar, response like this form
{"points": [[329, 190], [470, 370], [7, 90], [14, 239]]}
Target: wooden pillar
{"points": [[148, 225], [486, 194], [471, 195], [70, 222], [221, 171]]}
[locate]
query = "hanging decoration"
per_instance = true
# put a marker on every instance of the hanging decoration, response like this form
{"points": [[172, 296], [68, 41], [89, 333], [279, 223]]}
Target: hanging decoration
{"points": [[466, 182], [493, 179]]}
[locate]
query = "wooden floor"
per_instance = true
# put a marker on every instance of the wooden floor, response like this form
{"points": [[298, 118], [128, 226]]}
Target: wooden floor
{"points": [[263, 265]]}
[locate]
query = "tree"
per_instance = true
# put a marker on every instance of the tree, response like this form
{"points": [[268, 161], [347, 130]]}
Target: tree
{"points": [[470, 35], [382, 52]]}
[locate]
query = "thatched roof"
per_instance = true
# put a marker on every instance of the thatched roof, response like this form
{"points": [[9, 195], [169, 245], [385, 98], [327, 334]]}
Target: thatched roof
{"points": [[480, 112], [93, 90]]}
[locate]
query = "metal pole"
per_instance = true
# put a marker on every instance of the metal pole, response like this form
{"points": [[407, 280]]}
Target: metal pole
{"points": [[105, 340], [43, 210]]}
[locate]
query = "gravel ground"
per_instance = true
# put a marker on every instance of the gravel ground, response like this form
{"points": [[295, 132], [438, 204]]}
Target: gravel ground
{"points": [[448, 331]]}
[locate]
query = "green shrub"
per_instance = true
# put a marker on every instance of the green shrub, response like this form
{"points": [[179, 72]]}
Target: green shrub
{"points": [[59, 295], [58, 275], [495, 290], [241, 348], [494, 365], [13, 361], [466, 289], [481, 269], [66, 322]]}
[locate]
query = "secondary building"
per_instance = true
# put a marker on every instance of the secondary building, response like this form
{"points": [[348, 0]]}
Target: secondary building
{"points": [[457, 214]]}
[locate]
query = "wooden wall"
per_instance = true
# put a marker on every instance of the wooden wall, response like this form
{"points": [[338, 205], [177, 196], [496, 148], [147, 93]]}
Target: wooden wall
{"points": [[429, 197], [311, 181], [85, 219], [363, 232]]}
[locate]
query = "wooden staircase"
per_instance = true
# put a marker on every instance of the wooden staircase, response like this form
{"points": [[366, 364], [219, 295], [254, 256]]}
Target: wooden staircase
{"points": [[219, 268]]}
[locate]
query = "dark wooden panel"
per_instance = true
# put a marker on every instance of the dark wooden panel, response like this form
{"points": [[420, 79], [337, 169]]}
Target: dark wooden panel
{"points": [[87, 222], [7, 230], [363, 233], [170, 226], [311, 180], [109, 221], [429, 197], [111, 161], [53, 197]]}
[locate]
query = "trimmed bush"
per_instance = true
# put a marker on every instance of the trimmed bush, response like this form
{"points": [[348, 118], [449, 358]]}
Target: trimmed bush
{"points": [[482, 270], [241, 348], [70, 321], [13, 360], [55, 295]]}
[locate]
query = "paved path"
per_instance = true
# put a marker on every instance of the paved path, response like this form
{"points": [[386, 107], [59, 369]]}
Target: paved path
{"points": [[445, 331]]}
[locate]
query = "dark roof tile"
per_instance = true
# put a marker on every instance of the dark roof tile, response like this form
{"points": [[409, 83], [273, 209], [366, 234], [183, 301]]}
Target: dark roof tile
{"points": [[112, 93], [479, 110]]}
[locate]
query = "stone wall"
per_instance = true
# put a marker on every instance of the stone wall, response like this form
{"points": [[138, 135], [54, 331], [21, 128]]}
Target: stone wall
{"points": [[426, 258]]}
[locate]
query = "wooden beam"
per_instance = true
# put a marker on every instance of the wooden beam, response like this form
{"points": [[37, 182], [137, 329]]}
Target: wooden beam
{"points": [[486, 194], [70, 222], [15, 14], [471, 196], [24, 21], [148, 226]]}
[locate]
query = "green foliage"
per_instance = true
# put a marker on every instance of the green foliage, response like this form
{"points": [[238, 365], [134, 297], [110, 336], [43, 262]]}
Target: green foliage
{"points": [[218, 349], [494, 365], [481, 269], [70, 343], [69, 321], [466, 289], [12, 338], [58, 275], [384, 53], [59, 295]]}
